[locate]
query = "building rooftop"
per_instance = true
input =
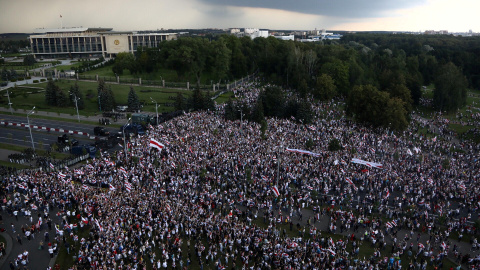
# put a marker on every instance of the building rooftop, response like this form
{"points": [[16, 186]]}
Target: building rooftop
{"points": [[70, 30]]}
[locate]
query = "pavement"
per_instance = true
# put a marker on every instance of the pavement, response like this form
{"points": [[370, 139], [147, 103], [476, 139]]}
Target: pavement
{"points": [[38, 258], [68, 116]]}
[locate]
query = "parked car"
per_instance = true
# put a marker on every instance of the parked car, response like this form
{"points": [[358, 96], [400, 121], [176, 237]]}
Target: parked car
{"points": [[100, 131], [63, 139]]}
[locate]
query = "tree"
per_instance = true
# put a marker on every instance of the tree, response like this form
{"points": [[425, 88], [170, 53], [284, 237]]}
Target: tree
{"points": [[133, 102], [325, 88], [220, 59], [370, 106], [124, 60], [105, 95], [450, 92], [402, 92], [334, 145], [51, 93], [273, 101], [179, 102], [257, 114], [339, 72], [197, 100], [208, 102], [75, 92], [62, 99], [29, 60]]}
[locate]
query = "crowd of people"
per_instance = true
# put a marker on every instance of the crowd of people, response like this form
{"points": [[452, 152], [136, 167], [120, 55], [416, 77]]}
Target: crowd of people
{"points": [[219, 195]]}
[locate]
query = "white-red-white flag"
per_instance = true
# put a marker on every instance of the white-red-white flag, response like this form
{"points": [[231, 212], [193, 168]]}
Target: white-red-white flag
{"points": [[156, 144], [275, 191]]}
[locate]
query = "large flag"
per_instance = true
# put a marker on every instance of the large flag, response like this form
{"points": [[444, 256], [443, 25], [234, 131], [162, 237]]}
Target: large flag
{"points": [[128, 186], [275, 191], [302, 152], [351, 183], [367, 163], [156, 144]]}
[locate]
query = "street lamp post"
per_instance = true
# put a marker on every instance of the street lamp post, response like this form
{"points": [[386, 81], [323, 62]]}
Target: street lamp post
{"points": [[241, 119], [99, 104], [9, 103], [30, 128], [76, 105], [156, 109], [124, 141]]}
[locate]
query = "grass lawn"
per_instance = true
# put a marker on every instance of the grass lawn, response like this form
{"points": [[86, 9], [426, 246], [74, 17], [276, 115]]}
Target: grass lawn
{"points": [[22, 113], [39, 151], [13, 165], [26, 98], [168, 75], [225, 97]]}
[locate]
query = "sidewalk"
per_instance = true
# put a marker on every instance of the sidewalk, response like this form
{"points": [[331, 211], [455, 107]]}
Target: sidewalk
{"points": [[95, 118]]}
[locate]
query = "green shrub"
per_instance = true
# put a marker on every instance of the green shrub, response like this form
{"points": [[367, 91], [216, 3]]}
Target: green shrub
{"points": [[42, 80], [35, 81], [13, 80], [28, 77], [334, 145], [21, 79]]}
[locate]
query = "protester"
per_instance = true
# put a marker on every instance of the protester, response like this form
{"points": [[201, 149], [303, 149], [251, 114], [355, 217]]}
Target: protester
{"points": [[208, 178]]}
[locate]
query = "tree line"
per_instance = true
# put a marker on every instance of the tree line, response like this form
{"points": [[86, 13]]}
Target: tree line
{"points": [[389, 69]]}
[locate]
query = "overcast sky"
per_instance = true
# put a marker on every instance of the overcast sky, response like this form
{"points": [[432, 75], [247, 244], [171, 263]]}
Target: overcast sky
{"points": [[353, 15]]}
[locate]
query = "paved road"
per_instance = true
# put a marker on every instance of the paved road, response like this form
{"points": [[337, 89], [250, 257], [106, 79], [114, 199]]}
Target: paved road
{"points": [[21, 136], [75, 126]]}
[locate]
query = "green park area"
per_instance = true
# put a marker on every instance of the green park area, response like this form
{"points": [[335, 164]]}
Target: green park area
{"points": [[26, 96]]}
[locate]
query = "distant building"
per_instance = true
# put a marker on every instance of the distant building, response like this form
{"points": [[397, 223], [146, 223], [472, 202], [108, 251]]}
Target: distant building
{"points": [[91, 42], [253, 33], [433, 32], [289, 37]]}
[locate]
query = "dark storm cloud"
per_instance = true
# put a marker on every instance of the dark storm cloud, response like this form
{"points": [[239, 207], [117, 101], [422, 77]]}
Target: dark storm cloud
{"points": [[337, 8]]}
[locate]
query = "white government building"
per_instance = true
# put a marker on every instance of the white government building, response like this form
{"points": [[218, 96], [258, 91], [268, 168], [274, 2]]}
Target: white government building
{"points": [[78, 42]]}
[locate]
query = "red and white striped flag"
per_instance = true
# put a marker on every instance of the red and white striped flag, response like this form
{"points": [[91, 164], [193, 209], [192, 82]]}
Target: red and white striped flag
{"points": [[98, 225], [112, 188], [51, 166], [275, 191], [85, 220], [387, 195], [128, 186], [85, 187], [156, 144], [61, 175], [173, 165], [123, 171]]}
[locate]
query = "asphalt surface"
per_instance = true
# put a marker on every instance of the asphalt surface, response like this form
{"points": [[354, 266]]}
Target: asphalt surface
{"points": [[21, 137], [38, 258], [82, 127]]}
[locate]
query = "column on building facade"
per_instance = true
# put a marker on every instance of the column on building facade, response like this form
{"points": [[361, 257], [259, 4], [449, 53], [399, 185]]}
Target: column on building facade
{"points": [[130, 39], [31, 47], [66, 45], [101, 41]]}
